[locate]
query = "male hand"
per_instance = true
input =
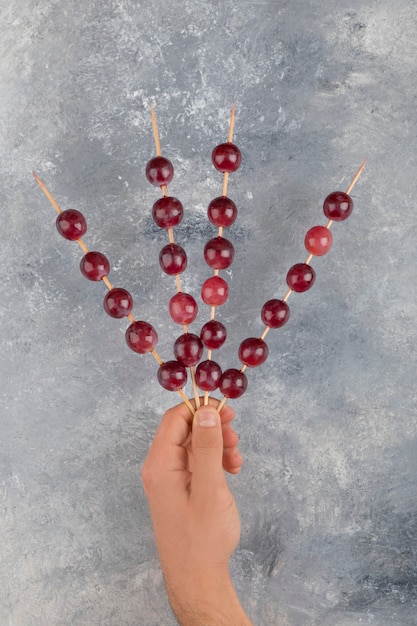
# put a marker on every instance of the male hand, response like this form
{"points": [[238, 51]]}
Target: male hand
{"points": [[194, 514]]}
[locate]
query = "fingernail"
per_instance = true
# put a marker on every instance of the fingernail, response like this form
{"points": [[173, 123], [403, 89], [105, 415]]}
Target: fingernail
{"points": [[207, 419]]}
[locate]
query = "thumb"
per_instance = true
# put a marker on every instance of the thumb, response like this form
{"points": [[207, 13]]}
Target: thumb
{"points": [[207, 447]]}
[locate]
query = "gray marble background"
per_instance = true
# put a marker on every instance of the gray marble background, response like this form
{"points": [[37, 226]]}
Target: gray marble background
{"points": [[328, 425]]}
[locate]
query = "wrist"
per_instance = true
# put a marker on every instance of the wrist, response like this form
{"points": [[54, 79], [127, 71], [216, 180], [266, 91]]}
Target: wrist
{"points": [[205, 597]]}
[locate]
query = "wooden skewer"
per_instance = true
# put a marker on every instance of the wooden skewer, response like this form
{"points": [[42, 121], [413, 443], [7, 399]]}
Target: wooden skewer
{"points": [[155, 132], [172, 240], [105, 279], [232, 124], [356, 177], [222, 403], [186, 401], [307, 261], [225, 183]]}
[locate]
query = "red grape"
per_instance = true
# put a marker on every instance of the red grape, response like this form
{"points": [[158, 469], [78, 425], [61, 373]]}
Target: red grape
{"points": [[172, 375], [207, 375], [226, 157], [183, 308], [222, 211], [253, 351], [71, 224], [118, 302], [167, 212], [141, 337], [172, 259], [338, 206], [214, 291], [159, 171], [213, 334], [94, 266], [318, 240], [300, 277], [219, 253], [233, 383], [188, 349], [275, 313]]}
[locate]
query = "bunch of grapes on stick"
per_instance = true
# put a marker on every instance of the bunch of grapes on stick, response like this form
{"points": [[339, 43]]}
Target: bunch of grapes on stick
{"points": [[188, 350]]}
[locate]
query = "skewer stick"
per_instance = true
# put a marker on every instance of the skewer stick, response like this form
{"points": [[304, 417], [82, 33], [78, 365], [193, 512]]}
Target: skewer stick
{"points": [[195, 389], [186, 401], [225, 183], [178, 281], [222, 403], [104, 279], [47, 194], [307, 261], [107, 283], [356, 177], [232, 124], [155, 132]]}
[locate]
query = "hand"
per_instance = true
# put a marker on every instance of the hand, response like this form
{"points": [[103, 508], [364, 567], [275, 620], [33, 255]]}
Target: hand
{"points": [[194, 514]]}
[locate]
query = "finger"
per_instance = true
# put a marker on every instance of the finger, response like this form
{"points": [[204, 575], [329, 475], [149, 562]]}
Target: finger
{"points": [[230, 436], [232, 460], [175, 424], [167, 447], [207, 446]]}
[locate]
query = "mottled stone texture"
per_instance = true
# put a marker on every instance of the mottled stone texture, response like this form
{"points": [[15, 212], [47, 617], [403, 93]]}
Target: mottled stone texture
{"points": [[328, 493]]}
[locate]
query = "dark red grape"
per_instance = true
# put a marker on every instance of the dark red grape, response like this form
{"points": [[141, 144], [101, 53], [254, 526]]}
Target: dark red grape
{"points": [[71, 224], [275, 313], [172, 259], [159, 171], [167, 212], [188, 349], [118, 302], [338, 206], [207, 375], [141, 337], [219, 253], [222, 212], [213, 334], [94, 266], [253, 351], [233, 383], [172, 375], [226, 157], [300, 277]]}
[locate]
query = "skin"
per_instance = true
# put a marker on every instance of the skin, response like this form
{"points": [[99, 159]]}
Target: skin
{"points": [[194, 515]]}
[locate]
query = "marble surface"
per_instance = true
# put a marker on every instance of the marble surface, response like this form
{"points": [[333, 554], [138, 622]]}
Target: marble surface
{"points": [[328, 493]]}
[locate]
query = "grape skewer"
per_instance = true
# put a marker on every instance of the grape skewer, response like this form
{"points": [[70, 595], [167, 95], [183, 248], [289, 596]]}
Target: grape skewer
{"points": [[218, 254], [252, 351], [173, 260], [109, 286]]}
